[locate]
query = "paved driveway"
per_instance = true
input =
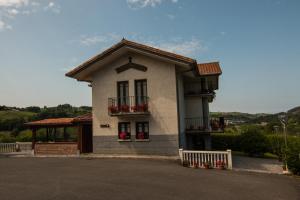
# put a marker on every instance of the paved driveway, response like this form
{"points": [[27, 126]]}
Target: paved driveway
{"points": [[73, 178], [257, 164]]}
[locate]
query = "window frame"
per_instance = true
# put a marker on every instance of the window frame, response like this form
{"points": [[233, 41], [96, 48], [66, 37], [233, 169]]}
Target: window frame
{"points": [[146, 134], [141, 98], [124, 99], [128, 127]]}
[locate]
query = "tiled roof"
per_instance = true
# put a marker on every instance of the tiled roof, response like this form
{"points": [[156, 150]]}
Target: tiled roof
{"points": [[84, 118], [62, 121], [134, 45], [212, 68], [51, 122]]}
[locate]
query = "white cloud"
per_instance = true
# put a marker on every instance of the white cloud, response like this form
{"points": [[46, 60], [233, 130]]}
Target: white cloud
{"points": [[13, 12], [105, 39], [4, 26], [136, 4], [52, 7], [184, 47], [188, 47], [9, 9], [170, 16], [13, 3]]}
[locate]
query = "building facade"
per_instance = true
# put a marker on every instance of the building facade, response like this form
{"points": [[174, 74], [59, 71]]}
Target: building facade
{"points": [[149, 101]]}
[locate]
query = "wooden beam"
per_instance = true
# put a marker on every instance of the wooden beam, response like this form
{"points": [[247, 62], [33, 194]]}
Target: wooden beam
{"points": [[65, 134], [33, 137], [79, 138]]}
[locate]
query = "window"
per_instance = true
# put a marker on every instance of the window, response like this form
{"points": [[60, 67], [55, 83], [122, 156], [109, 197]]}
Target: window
{"points": [[123, 93], [141, 99], [142, 130], [124, 131]]}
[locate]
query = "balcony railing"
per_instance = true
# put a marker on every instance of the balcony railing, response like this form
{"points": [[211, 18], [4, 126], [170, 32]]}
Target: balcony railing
{"points": [[204, 124], [204, 92], [129, 105]]}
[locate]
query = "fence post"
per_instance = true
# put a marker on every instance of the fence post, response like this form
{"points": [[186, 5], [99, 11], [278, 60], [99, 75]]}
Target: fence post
{"points": [[229, 159], [180, 155], [18, 147]]}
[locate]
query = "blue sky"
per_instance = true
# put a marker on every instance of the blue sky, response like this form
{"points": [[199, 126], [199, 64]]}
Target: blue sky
{"points": [[256, 42]]}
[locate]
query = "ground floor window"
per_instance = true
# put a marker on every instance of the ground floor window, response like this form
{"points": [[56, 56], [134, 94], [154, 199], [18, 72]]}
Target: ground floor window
{"points": [[124, 131], [142, 130]]}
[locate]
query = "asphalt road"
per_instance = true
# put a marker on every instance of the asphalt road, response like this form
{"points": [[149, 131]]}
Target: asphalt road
{"points": [[73, 178]]}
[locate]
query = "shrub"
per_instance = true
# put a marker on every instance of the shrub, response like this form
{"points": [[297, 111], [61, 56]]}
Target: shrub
{"points": [[293, 155], [24, 136], [6, 138], [253, 142]]}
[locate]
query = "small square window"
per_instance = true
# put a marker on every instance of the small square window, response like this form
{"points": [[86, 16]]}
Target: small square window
{"points": [[124, 131], [142, 130]]}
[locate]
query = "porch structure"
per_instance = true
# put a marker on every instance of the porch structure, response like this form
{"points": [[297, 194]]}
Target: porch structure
{"points": [[60, 142]]}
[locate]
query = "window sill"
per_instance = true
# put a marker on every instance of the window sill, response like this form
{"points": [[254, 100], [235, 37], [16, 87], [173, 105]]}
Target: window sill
{"points": [[126, 140], [142, 140]]}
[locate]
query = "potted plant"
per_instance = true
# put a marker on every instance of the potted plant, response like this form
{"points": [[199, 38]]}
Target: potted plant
{"points": [[207, 165], [134, 108], [141, 135], [125, 108], [220, 164], [195, 165], [142, 107], [113, 109], [123, 135]]}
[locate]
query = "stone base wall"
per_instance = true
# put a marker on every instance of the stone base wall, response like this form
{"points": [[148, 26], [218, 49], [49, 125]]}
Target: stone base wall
{"points": [[157, 145], [55, 149]]}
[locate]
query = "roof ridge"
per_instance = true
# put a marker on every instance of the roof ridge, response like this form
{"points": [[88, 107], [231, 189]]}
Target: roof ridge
{"points": [[147, 48]]}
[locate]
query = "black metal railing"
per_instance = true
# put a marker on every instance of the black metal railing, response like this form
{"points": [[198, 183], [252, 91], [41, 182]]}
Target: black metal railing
{"points": [[128, 105], [196, 124], [204, 124]]}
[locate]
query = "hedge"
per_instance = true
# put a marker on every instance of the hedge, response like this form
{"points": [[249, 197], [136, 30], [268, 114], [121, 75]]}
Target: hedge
{"points": [[269, 143]]}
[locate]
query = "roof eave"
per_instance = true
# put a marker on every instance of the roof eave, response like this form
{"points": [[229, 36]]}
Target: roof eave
{"points": [[122, 43]]}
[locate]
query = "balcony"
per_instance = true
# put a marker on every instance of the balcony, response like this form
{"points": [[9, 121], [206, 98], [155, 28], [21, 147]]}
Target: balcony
{"points": [[200, 93], [128, 106], [204, 125]]}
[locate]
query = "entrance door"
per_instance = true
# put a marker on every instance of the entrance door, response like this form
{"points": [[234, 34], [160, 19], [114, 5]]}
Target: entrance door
{"points": [[87, 138]]}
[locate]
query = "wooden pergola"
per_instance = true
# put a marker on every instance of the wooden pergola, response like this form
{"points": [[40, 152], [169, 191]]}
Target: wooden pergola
{"points": [[84, 132]]}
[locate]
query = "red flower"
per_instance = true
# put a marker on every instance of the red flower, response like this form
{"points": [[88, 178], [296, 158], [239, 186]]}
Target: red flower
{"points": [[141, 135], [123, 135]]}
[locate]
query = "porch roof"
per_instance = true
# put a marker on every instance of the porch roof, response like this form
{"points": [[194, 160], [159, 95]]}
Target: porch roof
{"points": [[87, 118]]}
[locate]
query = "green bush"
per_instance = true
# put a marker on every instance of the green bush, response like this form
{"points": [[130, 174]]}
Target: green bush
{"points": [[24, 136], [293, 155], [5, 137], [253, 142]]}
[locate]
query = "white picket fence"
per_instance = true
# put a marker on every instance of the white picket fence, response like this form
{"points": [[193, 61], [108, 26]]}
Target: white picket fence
{"points": [[202, 158], [15, 147]]}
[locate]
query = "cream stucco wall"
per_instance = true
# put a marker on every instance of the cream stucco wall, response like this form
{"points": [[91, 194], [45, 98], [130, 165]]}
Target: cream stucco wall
{"points": [[161, 88]]}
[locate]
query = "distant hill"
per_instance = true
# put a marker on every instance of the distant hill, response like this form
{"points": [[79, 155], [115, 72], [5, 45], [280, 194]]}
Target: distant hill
{"points": [[236, 118], [294, 111], [12, 119]]}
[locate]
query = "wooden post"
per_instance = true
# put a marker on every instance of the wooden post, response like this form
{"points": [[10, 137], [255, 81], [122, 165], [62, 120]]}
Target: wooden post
{"points": [[47, 134], [65, 134], [79, 137], [54, 134], [33, 137]]}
